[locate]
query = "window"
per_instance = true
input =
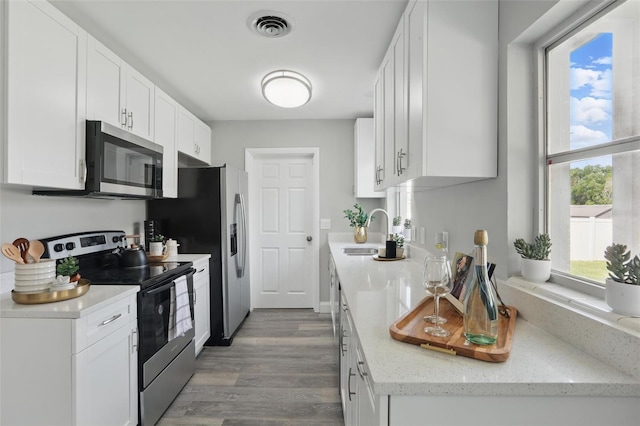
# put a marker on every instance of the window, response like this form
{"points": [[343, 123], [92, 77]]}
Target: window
{"points": [[592, 140]]}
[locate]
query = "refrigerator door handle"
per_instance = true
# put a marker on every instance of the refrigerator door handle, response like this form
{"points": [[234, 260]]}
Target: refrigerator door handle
{"points": [[243, 222]]}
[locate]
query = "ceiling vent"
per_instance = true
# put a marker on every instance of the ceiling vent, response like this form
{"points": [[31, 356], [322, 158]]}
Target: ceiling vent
{"points": [[270, 24]]}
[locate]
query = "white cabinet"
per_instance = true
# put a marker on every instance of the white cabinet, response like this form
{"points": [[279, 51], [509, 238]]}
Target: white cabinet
{"points": [[378, 136], [347, 366], [117, 93], [364, 144], [201, 303], [334, 298], [359, 404], [194, 138], [444, 119], [452, 119], [45, 89], [166, 134], [71, 371]]}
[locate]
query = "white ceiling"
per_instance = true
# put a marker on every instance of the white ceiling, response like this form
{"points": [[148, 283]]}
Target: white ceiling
{"points": [[203, 53]]}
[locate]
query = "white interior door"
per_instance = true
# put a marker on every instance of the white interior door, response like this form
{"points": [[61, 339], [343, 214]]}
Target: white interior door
{"points": [[284, 210]]}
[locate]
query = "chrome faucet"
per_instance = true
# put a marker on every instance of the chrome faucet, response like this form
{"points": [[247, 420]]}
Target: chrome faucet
{"points": [[371, 216]]}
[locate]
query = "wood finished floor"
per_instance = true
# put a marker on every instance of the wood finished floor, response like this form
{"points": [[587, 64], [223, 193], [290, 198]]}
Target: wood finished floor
{"points": [[282, 369]]}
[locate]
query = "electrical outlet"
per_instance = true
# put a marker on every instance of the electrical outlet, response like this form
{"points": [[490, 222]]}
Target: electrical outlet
{"points": [[325, 223], [423, 235], [442, 241]]}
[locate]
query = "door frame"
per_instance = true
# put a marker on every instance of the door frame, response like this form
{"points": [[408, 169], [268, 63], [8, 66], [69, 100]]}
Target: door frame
{"points": [[251, 154]]}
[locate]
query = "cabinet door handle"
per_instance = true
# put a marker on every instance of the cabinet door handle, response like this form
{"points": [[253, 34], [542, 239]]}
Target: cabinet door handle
{"points": [[134, 339], [400, 168], [130, 121], [349, 383], [195, 293], [112, 319], [123, 119], [362, 373], [83, 172]]}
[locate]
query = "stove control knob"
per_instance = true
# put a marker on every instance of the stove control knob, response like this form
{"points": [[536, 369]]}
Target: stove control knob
{"points": [[116, 239], [70, 246], [58, 247]]}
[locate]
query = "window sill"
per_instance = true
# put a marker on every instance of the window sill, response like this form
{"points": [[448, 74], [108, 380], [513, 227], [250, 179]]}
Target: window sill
{"points": [[584, 321]]}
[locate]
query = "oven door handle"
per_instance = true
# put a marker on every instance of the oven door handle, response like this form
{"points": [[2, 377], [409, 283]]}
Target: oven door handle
{"points": [[165, 286]]}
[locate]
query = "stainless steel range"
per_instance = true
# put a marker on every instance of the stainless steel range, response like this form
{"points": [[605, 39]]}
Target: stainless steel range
{"points": [[165, 362]]}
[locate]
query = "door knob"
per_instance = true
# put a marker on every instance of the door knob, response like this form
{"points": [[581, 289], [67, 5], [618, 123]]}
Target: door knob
{"points": [[309, 238]]}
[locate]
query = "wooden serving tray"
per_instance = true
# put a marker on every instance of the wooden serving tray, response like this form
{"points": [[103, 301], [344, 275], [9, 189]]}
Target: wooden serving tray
{"points": [[47, 296], [410, 329]]}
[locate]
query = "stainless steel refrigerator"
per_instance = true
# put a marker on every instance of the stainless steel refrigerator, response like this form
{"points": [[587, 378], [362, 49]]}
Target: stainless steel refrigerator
{"points": [[210, 216]]}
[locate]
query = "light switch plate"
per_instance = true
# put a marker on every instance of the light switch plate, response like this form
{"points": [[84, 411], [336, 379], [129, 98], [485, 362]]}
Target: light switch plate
{"points": [[325, 223]]}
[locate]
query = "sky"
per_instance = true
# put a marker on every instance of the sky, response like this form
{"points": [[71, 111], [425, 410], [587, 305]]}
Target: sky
{"points": [[591, 88]]}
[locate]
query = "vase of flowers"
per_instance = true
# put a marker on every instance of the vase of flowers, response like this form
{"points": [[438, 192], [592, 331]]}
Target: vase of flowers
{"points": [[357, 219]]}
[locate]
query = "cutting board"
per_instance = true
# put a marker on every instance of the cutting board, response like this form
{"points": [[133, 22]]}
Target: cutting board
{"points": [[410, 329]]}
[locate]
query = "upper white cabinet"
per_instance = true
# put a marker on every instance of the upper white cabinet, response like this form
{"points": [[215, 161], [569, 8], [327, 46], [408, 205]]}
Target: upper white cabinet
{"points": [[44, 120], [166, 134], [194, 137], [117, 93], [448, 131], [364, 144]]}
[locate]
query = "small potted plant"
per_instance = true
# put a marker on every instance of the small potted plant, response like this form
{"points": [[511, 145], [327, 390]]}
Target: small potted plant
{"points": [[357, 219], [407, 229], [68, 268], [622, 288], [396, 225], [399, 239], [156, 245], [536, 265]]}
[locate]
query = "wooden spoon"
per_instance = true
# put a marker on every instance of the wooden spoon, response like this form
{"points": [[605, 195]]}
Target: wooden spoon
{"points": [[12, 252], [23, 245], [36, 250]]}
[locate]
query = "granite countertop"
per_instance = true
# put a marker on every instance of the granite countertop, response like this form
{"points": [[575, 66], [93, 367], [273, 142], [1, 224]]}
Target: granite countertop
{"points": [[97, 297], [378, 293]]}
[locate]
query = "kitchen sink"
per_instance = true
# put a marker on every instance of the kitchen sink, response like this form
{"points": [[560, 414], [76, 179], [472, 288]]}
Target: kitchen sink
{"points": [[359, 251]]}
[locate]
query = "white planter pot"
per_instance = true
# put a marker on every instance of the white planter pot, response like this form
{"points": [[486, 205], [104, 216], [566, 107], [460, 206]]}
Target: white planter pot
{"points": [[396, 230], [407, 234], [623, 298], [537, 271]]}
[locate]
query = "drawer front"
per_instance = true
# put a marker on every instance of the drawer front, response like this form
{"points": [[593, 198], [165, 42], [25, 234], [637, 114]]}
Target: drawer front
{"points": [[109, 319]]}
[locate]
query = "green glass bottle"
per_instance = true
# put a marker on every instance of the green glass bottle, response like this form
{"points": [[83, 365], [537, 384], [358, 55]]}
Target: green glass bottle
{"points": [[480, 307]]}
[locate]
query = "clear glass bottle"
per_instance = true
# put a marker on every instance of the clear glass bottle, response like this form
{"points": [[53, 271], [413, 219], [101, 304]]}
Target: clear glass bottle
{"points": [[480, 306]]}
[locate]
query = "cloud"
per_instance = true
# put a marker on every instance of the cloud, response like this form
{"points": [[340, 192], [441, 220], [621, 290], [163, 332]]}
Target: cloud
{"points": [[605, 60], [590, 110], [582, 137], [599, 82]]}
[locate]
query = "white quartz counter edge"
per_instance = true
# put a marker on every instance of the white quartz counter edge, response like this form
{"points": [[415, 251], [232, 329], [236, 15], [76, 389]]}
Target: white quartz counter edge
{"points": [[378, 293], [97, 297], [187, 257]]}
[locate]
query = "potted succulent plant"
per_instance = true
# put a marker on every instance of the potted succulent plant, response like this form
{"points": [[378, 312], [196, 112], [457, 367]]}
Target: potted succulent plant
{"points": [[357, 219], [622, 288], [536, 265], [396, 227], [407, 229], [68, 267], [399, 239]]}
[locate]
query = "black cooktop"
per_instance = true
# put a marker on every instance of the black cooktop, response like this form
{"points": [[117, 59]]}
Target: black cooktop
{"points": [[144, 276]]}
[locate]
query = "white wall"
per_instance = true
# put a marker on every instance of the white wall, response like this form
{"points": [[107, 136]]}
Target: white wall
{"points": [[35, 217], [336, 142]]}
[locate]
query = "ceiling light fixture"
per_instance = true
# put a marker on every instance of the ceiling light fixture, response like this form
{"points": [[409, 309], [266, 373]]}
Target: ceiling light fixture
{"points": [[286, 89]]}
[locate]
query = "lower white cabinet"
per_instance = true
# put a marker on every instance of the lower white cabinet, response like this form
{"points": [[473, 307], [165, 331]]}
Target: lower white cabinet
{"points": [[201, 304], [64, 371], [359, 404], [334, 297]]}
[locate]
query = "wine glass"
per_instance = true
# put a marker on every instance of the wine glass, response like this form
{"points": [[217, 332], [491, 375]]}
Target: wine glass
{"points": [[437, 282]]}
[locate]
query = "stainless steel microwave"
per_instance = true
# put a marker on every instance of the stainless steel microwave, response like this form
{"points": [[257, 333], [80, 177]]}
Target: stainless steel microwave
{"points": [[119, 165]]}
